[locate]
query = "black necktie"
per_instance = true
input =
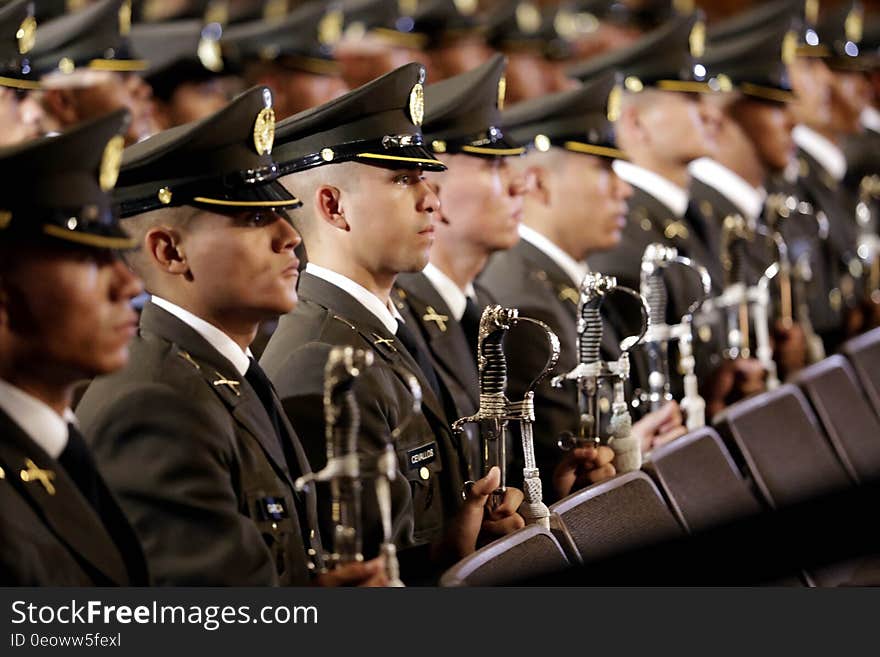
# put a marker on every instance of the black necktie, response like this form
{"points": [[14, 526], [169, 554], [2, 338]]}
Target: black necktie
{"points": [[470, 324], [422, 359], [261, 384], [79, 466]]}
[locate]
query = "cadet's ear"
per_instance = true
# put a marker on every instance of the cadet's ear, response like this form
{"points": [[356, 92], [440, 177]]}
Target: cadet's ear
{"points": [[536, 184], [629, 127], [162, 246], [328, 205]]}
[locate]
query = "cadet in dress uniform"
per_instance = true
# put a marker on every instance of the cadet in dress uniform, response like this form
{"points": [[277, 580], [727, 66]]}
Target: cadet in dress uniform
{"points": [[480, 209], [663, 84], [292, 55], [186, 70], [574, 206], [453, 36], [65, 315], [86, 68], [20, 115], [359, 160], [190, 434], [754, 147]]}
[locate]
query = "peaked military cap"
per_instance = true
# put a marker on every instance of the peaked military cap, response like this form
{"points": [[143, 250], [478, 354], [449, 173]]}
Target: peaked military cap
{"points": [[46, 10], [177, 51], [840, 31], [389, 20], [755, 18], [303, 39], [757, 62], [521, 25], [18, 32], [59, 187], [463, 113], [579, 120], [377, 123], [222, 162], [643, 15], [94, 38], [445, 21], [667, 58]]}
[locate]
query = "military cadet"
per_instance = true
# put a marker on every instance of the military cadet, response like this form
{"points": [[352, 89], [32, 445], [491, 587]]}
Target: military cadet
{"points": [[453, 37], [822, 170], [358, 162], [86, 68], [754, 147], [65, 315], [190, 435], [575, 205], [186, 70], [20, 115], [528, 36], [378, 38], [480, 209], [293, 56], [666, 123]]}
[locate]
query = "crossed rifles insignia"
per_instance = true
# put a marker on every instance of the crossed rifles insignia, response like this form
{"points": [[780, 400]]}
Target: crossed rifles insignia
{"points": [[33, 472], [433, 316]]}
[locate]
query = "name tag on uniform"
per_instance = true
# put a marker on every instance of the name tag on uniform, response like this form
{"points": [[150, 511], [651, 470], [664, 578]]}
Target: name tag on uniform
{"points": [[272, 508], [421, 456]]}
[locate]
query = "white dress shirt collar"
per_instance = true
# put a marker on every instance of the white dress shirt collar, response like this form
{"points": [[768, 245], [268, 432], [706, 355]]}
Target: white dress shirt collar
{"points": [[871, 118], [729, 184], [453, 296], [575, 270], [821, 149], [227, 347], [388, 315], [665, 191], [36, 418]]}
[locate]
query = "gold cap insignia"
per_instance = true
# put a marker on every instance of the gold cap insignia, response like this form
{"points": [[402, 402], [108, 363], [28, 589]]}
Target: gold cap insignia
{"points": [[615, 99], [853, 26], [327, 154], [5, 218], [789, 47], [811, 11], [125, 18], [466, 7], [542, 143], [274, 10], [502, 91], [210, 55], [110, 162], [417, 104], [164, 196], [528, 18], [26, 35], [330, 28], [683, 7], [264, 131], [565, 24], [438, 146], [407, 7], [697, 39], [217, 12]]}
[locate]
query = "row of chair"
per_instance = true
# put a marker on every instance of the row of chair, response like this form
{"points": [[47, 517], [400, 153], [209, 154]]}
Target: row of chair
{"points": [[815, 435]]}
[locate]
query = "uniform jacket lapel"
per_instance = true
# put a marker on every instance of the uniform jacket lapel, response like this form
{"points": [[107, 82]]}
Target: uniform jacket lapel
{"points": [[350, 310], [221, 375], [446, 339], [66, 511]]}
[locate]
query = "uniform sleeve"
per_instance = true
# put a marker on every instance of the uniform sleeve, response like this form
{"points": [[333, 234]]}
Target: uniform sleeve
{"points": [[169, 462]]}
